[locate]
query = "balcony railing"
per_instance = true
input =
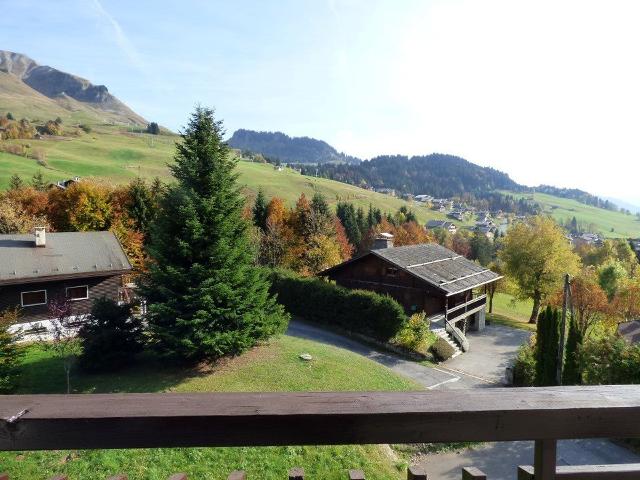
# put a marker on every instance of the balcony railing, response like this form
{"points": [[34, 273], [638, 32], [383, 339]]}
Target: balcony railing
{"points": [[544, 415], [467, 308]]}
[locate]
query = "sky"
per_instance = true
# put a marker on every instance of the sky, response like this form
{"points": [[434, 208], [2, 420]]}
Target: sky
{"points": [[547, 91]]}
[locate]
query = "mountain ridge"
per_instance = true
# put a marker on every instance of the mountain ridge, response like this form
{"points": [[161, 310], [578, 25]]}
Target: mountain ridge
{"points": [[60, 86]]}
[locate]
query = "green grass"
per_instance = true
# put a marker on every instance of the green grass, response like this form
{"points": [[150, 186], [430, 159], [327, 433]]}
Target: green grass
{"points": [[507, 306], [118, 155], [271, 367], [608, 223]]}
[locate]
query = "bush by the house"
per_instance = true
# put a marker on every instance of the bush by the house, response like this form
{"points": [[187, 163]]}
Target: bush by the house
{"points": [[442, 349], [111, 337], [610, 360], [415, 334], [317, 300], [10, 353]]}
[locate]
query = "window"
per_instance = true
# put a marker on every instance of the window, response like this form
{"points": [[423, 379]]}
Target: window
{"points": [[78, 293], [34, 297], [391, 272]]}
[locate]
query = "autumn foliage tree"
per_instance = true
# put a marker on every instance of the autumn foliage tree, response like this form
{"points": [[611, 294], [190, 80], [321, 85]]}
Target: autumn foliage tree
{"points": [[536, 255]]}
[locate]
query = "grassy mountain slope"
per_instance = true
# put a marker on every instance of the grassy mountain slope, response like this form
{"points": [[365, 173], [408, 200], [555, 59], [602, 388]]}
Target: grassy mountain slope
{"points": [[610, 224], [118, 155], [113, 153]]}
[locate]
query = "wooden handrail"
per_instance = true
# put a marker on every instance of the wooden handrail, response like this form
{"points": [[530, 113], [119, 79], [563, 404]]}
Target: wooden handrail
{"points": [[52, 422], [625, 471], [465, 304]]}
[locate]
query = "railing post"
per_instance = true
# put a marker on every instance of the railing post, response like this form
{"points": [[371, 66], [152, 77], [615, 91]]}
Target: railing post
{"points": [[544, 464], [356, 475], [4, 476], [473, 473], [416, 473], [178, 476]]}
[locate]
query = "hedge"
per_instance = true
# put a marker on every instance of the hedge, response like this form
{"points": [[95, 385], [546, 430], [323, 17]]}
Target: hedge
{"points": [[319, 301]]}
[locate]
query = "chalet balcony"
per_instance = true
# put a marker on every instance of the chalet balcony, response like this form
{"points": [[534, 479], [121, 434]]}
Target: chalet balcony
{"points": [[542, 415], [465, 309]]}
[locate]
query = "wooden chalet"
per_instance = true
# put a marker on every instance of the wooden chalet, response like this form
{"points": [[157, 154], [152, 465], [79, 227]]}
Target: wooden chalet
{"points": [[79, 266], [425, 277]]}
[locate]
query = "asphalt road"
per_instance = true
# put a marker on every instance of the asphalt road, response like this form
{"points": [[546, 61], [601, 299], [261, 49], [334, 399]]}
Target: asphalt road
{"points": [[481, 367]]}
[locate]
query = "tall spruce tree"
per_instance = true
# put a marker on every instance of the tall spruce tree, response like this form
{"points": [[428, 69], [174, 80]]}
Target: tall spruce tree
{"points": [[547, 340], [15, 182], [37, 181], [205, 297], [571, 373], [260, 211]]}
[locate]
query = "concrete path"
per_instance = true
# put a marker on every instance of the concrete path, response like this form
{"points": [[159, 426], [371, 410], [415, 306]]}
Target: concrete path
{"points": [[483, 366], [500, 460]]}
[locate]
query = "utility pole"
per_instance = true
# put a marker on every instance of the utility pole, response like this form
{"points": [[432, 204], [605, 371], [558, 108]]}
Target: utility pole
{"points": [[566, 300]]}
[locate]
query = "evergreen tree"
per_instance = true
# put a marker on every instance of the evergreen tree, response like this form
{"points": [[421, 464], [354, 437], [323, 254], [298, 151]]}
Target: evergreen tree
{"points": [[319, 205], [37, 181], [206, 299], [153, 128], [260, 211], [571, 373], [141, 205], [10, 116], [15, 182], [547, 339], [348, 217]]}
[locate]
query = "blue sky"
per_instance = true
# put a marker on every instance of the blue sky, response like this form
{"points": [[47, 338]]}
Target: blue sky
{"points": [[547, 91]]}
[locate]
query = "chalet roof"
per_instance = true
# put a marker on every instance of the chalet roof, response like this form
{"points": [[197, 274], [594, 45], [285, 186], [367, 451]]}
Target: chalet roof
{"points": [[66, 254], [439, 224], [438, 266]]}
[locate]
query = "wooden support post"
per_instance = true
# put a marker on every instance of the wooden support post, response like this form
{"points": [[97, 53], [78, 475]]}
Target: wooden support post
{"points": [[296, 473], [56, 477], [178, 476], [544, 463], [4, 476], [356, 475], [473, 473], [525, 472], [118, 477], [237, 475], [416, 473]]}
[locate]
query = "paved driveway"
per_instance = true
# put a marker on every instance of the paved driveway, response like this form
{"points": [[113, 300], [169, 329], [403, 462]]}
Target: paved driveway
{"points": [[490, 352], [481, 367]]}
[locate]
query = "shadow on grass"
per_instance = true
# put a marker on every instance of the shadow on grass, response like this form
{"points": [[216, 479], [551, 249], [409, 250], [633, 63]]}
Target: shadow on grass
{"points": [[43, 373]]}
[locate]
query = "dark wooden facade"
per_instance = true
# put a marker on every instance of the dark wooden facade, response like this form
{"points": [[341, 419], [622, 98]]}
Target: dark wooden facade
{"points": [[374, 273], [102, 286], [414, 294]]}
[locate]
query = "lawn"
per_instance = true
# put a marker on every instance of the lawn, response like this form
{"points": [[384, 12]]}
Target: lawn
{"points": [[507, 306], [608, 223], [271, 367]]}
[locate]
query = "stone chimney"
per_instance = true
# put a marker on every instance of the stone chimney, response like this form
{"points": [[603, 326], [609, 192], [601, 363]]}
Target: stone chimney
{"points": [[41, 237], [384, 240]]}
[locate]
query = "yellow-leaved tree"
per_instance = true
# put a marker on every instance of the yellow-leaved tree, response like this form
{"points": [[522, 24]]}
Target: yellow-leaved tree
{"points": [[536, 255]]}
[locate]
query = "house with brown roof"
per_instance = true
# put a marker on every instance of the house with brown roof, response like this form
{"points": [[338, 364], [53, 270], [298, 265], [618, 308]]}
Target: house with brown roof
{"points": [[427, 277], [78, 266]]}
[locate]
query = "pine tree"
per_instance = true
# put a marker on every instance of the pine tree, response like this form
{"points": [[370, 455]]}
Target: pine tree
{"points": [[10, 116], [571, 373], [141, 205], [15, 182], [260, 211], [547, 339], [206, 299], [37, 181]]}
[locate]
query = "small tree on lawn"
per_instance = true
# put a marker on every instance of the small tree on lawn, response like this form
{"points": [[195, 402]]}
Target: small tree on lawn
{"points": [[15, 182], [206, 297], [111, 337], [61, 340], [37, 181], [10, 353], [547, 340]]}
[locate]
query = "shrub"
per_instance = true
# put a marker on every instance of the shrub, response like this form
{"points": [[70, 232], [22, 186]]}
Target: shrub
{"points": [[10, 353], [85, 128], [610, 360], [524, 368], [40, 155], [317, 300], [110, 338], [415, 334], [442, 349]]}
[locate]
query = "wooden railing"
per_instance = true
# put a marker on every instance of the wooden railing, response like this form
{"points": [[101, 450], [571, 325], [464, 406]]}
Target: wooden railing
{"points": [[544, 415]]}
